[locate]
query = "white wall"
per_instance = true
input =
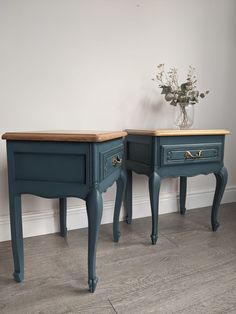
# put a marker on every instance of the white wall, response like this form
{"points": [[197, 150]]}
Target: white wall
{"points": [[73, 64]]}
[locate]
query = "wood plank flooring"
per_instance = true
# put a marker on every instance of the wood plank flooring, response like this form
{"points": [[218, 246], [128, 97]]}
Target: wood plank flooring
{"points": [[190, 270]]}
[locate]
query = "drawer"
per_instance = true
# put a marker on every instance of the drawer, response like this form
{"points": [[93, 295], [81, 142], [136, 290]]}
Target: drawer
{"points": [[191, 153], [111, 160]]}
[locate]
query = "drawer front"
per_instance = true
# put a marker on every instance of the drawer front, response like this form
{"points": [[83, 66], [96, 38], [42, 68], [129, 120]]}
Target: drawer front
{"points": [[193, 153], [112, 160]]}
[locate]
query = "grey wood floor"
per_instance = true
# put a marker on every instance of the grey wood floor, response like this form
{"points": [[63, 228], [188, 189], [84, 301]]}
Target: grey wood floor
{"points": [[190, 270]]}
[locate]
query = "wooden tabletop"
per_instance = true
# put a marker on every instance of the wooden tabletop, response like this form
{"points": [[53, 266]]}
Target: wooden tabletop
{"points": [[177, 132], [68, 136]]}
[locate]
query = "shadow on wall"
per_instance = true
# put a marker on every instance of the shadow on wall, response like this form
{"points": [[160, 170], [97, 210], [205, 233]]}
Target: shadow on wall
{"points": [[147, 110], [154, 113]]}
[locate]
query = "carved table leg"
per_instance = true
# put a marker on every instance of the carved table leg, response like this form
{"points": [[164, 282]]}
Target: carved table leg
{"points": [[128, 197], [121, 183], [154, 188], [182, 195], [17, 236], [221, 180], [62, 206], [94, 205]]}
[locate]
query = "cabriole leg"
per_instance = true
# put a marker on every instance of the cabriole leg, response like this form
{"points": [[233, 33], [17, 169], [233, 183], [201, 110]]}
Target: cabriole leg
{"points": [[221, 180], [128, 197], [94, 207], [17, 236], [120, 183], [63, 211], [182, 195], [154, 188]]}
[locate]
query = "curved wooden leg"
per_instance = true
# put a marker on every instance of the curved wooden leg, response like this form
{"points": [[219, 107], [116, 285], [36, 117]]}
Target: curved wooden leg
{"points": [[94, 205], [221, 180], [154, 188], [128, 197], [17, 236], [62, 206], [182, 195], [120, 183]]}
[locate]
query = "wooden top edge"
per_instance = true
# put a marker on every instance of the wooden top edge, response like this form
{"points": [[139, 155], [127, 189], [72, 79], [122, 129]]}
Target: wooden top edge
{"points": [[178, 132], [60, 136]]}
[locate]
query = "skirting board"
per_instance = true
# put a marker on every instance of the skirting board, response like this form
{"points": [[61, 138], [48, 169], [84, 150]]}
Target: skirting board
{"points": [[48, 221]]}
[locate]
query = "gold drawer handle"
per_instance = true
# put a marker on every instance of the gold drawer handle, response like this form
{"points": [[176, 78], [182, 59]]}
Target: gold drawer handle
{"points": [[189, 155], [116, 161]]}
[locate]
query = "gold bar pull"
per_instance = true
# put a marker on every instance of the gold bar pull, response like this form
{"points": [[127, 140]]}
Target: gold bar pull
{"points": [[116, 161], [199, 154], [189, 155]]}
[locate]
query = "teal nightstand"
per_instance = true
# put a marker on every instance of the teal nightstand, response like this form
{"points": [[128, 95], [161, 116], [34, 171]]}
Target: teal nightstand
{"points": [[60, 165], [175, 153]]}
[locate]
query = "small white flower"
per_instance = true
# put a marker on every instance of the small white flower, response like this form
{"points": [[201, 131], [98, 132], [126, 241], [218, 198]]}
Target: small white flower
{"points": [[160, 67]]}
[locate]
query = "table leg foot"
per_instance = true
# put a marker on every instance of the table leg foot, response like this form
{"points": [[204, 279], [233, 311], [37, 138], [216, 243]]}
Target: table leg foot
{"points": [[128, 220], [215, 226], [92, 284], [63, 233], [183, 211], [116, 237], [154, 238], [221, 180], [18, 276]]}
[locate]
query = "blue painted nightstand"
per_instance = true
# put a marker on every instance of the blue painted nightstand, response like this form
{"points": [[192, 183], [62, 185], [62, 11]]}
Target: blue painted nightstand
{"points": [[61, 165], [175, 153]]}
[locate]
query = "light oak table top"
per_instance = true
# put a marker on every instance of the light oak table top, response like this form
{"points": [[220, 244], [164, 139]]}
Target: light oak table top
{"points": [[68, 136], [160, 132]]}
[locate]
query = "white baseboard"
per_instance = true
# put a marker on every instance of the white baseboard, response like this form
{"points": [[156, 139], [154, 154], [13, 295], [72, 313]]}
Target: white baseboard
{"points": [[48, 221]]}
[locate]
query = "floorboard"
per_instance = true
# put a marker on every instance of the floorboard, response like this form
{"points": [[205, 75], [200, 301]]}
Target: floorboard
{"points": [[190, 270]]}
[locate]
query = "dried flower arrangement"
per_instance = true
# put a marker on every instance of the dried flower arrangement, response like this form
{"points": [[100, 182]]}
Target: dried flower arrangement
{"points": [[184, 94], [175, 93]]}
